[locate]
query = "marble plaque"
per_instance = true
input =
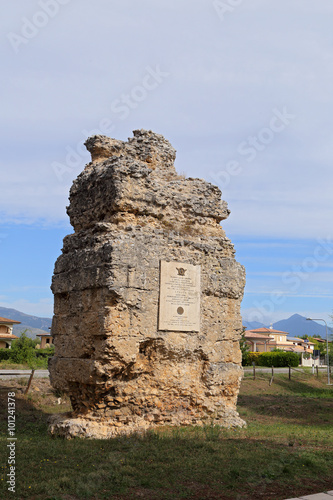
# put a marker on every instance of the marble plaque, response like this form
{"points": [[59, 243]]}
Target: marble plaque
{"points": [[179, 308]]}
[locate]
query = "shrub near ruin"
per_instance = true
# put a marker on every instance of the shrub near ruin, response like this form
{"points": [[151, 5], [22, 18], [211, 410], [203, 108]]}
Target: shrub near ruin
{"points": [[4, 354], [23, 352], [277, 359]]}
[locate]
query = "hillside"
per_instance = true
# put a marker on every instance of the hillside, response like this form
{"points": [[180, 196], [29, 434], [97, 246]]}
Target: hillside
{"points": [[33, 324], [298, 326], [295, 326]]}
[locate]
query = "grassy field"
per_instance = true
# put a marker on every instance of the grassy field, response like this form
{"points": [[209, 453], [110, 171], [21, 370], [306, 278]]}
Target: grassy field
{"points": [[286, 450], [7, 365]]}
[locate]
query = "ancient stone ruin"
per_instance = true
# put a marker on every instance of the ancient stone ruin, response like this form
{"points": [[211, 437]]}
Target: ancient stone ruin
{"points": [[147, 297]]}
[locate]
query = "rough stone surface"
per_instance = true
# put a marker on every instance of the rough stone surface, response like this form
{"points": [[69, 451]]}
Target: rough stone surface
{"points": [[130, 210]]}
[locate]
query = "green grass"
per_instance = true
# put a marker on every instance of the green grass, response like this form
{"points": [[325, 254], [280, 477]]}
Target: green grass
{"points": [[39, 364], [286, 451], [7, 365]]}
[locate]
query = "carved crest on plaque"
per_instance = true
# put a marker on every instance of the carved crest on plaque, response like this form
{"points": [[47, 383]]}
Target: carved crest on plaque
{"points": [[181, 271]]}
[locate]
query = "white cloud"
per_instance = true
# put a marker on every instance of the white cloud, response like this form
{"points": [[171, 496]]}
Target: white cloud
{"points": [[225, 79]]}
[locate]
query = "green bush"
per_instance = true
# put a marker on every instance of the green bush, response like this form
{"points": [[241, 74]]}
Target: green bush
{"points": [[4, 354], [277, 359], [245, 350], [251, 357], [45, 353], [40, 363], [22, 350]]}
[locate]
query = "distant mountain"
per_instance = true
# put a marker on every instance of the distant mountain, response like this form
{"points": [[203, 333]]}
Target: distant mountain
{"points": [[252, 325], [297, 326], [33, 324]]}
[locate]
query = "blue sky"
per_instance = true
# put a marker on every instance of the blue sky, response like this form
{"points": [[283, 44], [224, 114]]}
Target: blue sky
{"points": [[242, 92]]}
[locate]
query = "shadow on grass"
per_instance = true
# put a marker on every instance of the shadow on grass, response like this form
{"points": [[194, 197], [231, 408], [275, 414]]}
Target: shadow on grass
{"points": [[304, 388], [29, 420], [193, 463], [288, 409], [299, 402]]}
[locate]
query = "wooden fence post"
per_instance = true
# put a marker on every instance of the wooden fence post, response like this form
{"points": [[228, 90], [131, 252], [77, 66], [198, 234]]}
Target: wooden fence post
{"points": [[254, 370], [30, 380], [289, 372], [317, 370], [270, 383]]}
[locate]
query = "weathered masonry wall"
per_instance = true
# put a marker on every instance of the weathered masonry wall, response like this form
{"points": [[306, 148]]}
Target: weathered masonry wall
{"points": [[147, 296]]}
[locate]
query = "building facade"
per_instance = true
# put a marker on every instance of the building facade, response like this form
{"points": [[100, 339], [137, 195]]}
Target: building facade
{"points": [[46, 340], [268, 339], [6, 332]]}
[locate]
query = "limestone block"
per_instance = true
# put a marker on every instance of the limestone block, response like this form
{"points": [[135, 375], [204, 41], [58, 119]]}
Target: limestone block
{"points": [[131, 211]]}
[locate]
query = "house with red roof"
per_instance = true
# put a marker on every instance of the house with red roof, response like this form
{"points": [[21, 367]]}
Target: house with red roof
{"points": [[6, 332], [268, 339]]}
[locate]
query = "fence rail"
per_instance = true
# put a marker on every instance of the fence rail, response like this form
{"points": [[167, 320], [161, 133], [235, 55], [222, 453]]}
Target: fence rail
{"points": [[315, 372]]}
